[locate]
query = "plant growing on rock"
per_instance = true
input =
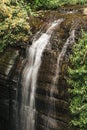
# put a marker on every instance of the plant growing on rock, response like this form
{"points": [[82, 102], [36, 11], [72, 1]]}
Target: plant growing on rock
{"points": [[14, 24], [52, 4], [78, 82]]}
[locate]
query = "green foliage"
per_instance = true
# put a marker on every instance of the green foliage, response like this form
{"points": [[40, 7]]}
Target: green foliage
{"points": [[78, 82], [14, 25], [52, 4], [14, 16]]}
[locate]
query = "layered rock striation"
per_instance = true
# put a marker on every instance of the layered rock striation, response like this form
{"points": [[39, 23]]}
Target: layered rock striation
{"points": [[10, 67]]}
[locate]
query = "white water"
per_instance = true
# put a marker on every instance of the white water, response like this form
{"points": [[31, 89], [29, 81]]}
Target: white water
{"points": [[69, 41], [29, 79]]}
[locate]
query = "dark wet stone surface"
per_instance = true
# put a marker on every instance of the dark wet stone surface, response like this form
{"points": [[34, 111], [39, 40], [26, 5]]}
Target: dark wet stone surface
{"points": [[69, 13], [10, 68]]}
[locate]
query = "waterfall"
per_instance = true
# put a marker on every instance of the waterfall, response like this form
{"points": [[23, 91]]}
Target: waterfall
{"points": [[70, 40], [29, 77]]}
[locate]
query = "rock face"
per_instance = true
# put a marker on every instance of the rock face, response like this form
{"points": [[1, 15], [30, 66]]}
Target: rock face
{"points": [[10, 68], [52, 101], [48, 94]]}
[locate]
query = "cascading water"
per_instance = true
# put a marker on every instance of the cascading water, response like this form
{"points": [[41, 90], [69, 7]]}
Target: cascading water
{"points": [[69, 42], [29, 79]]}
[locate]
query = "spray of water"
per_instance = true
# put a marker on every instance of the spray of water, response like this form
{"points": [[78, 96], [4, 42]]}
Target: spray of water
{"points": [[29, 78]]}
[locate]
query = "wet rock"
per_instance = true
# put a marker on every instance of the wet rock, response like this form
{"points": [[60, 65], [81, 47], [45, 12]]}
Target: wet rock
{"points": [[52, 99], [7, 62], [50, 102], [50, 123], [9, 76]]}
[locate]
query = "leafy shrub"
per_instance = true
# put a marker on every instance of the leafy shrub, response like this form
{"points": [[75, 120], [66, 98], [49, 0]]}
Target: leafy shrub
{"points": [[52, 4], [14, 25], [78, 82]]}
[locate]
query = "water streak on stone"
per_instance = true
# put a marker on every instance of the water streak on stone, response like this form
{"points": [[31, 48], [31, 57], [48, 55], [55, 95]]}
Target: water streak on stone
{"points": [[70, 41], [29, 79]]}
